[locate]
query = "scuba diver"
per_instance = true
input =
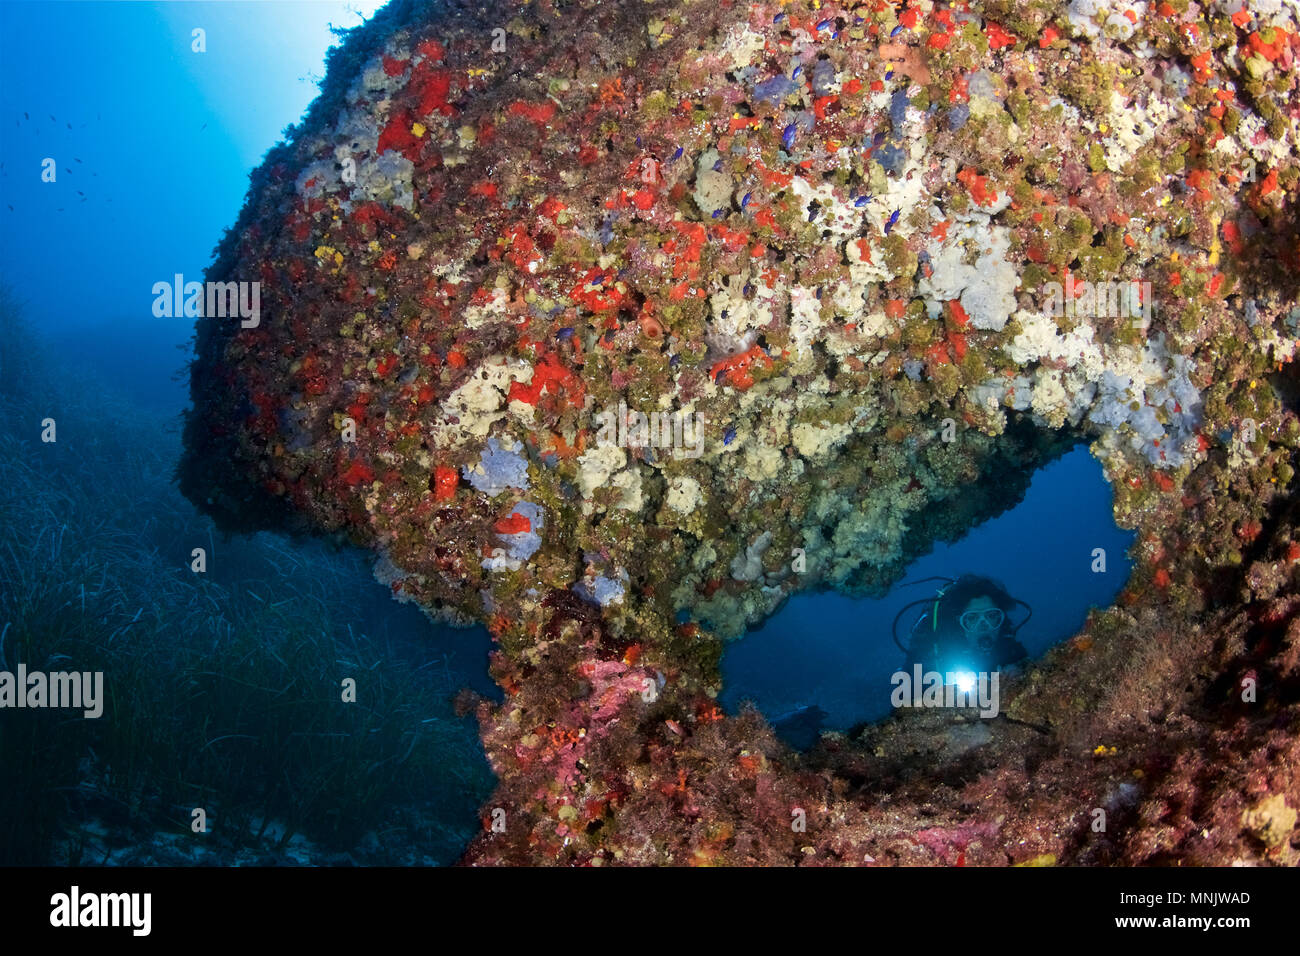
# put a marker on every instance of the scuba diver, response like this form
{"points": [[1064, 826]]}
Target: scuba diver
{"points": [[965, 627]]}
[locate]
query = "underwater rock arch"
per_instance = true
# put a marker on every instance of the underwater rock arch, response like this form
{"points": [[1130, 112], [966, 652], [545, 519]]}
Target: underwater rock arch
{"points": [[829, 245]]}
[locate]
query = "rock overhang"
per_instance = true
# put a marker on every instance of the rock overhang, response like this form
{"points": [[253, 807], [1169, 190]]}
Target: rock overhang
{"points": [[829, 234]]}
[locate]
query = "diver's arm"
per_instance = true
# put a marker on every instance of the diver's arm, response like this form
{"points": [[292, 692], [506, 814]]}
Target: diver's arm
{"points": [[940, 650], [1010, 651]]}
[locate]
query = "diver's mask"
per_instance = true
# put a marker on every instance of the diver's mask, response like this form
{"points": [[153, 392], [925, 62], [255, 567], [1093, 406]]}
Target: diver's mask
{"points": [[983, 625]]}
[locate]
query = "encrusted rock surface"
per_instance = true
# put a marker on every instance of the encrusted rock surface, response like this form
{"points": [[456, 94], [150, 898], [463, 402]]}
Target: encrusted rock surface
{"points": [[861, 267]]}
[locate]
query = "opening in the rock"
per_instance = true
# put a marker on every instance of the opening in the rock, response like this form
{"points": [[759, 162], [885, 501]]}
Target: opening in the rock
{"points": [[1059, 551]]}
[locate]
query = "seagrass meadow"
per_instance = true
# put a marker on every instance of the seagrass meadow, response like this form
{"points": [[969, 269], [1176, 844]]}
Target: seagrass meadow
{"points": [[221, 689]]}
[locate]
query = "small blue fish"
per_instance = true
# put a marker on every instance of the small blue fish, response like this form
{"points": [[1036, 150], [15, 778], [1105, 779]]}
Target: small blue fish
{"points": [[824, 25], [798, 70], [893, 218], [778, 18], [728, 436], [889, 74], [565, 333], [745, 201], [896, 31], [787, 136], [717, 213], [678, 154], [861, 201]]}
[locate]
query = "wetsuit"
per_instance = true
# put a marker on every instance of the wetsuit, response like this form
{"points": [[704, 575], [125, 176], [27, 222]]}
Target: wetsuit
{"points": [[948, 648]]}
